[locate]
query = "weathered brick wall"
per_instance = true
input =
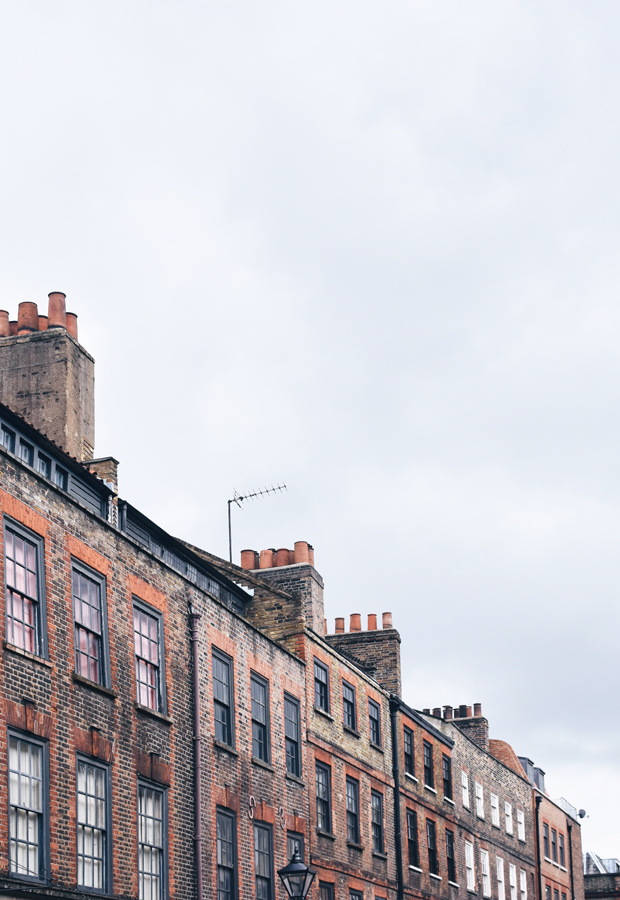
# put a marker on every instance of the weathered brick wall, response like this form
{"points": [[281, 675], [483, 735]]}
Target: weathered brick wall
{"points": [[476, 728], [378, 650], [304, 586], [553, 874]]}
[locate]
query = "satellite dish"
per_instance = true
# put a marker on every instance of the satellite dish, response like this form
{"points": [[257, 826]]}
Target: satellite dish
{"points": [[582, 813]]}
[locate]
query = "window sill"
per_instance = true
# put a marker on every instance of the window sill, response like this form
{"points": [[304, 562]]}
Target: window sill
{"points": [[100, 688], [377, 747], [354, 845], [427, 787], [323, 712], [413, 778], [561, 867], [448, 800], [495, 825], [27, 654], [415, 869], [436, 877], [152, 712], [481, 817], [295, 779], [326, 834], [351, 731], [220, 745], [472, 890], [453, 884], [262, 764], [510, 833], [548, 859], [378, 855]]}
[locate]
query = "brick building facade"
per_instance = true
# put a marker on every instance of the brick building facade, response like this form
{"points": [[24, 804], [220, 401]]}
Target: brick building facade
{"points": [[174, 725]]}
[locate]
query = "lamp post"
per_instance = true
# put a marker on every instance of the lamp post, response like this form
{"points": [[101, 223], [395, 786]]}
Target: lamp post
{"points": [[297, 877]]}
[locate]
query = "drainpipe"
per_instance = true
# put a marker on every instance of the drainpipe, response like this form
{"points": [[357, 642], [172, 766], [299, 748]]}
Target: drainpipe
{"points": [[394, 707], [194, 619], [569, 828], [538, 800]]}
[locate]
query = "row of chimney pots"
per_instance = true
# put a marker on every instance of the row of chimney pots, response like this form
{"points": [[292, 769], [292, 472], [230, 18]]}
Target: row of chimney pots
{"points": [[455, 712], [29, 320], [269, 559]]}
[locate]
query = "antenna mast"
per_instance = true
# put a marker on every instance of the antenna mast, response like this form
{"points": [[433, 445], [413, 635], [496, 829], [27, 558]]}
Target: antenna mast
{"points": [[252, 495]]}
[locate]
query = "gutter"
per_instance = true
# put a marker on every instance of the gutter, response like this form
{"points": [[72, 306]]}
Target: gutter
{"points": [[194, 619], [569, 828], [394, 707], [538, 800]]}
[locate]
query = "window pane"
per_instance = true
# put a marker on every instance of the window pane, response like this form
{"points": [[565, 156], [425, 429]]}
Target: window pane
{"points": [[147, 655]]}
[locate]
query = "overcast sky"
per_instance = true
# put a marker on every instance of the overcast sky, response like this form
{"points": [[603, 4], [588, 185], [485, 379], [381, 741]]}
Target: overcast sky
{"points": [[370, 250]]}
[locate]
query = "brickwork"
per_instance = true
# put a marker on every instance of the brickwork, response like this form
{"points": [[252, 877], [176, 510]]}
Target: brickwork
{"points": [[555, 873], [379, 651]]}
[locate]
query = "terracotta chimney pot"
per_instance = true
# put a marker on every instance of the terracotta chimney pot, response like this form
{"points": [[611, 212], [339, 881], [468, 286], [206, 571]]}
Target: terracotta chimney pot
{"points": [[324, 626], [463, 711], [437, 712], [12, 326], [266, 559], [27, 317], [302, 554], [372, 622], [339, 624], [477, 709], [72, 325], [447, 712], [426, 711], [248, 559], [56, 314], [42, 323], [282, 557], [356, 622], [469, 712], [387, 620], [311, 554], [4, 323]]}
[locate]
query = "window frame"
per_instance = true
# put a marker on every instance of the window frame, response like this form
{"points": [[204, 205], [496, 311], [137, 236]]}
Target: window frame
{"points": [[224, 812], [148, 785], [104, 665], [157, 614], [554, 846], [294, 701], [501, 882], [345, 702], [355, 815], [470, 867], [319, 764], [321, 666], [25, 534], [465, 789], [295, 836], [227, 661], [495, 819], [267, 828], [429, 770], [521, 824], [485, 869], [373, 705], [408, 733], [546, 846], [7, 435], [326, 890], [451, 856], [377, 837], [431, 838], [413, 843], [512, 870], [261, 681], [44, 846], [46, 462], [523, 884], [479, 794], [561, 850], [446, 766], [509, 818], [108, 873], [28, 449]]}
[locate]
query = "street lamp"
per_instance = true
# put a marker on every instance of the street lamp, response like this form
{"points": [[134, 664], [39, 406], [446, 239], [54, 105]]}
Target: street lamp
{"points": [[296, 877]]}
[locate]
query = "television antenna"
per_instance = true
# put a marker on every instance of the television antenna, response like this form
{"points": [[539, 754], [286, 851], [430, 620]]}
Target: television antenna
{"points": [[251, 495]]}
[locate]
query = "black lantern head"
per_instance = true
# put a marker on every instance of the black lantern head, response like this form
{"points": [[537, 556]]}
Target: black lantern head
{"points": [[296, 878]]}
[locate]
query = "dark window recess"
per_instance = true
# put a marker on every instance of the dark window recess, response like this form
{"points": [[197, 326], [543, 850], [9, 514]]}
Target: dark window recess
{"points": [[152, 843], [26, 798], [353, 816], [547, 892], [7, 439], [431, 842], [429, 774], [450, 858], [561, 848], [263, 865], [546, 841], [323, 798], [294, 844], [147, 635], [412, 838], [260, 718], [321, 686], [554, 845], [376, 802], [23, 612], [356, 895], [61, 478], [44, 465], [291, 735], [222, 697], [88, 627], [409, 750], [447, 776], [374, 722], [348, 706], [326, 891], [26, 452], [556, 894], [563, 896], [92, 822], [226, 854]]}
